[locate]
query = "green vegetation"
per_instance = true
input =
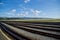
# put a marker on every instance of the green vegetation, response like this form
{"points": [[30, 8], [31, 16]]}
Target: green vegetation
{"points": [[30, 19], [52, 20]]}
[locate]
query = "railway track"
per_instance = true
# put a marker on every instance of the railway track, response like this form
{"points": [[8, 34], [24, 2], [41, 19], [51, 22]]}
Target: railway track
{"points": [[29, 32], [12, 33]]}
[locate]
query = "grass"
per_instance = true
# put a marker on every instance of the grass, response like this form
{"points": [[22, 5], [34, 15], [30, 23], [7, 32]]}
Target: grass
{"points": [[35, 20], [43, 20]]}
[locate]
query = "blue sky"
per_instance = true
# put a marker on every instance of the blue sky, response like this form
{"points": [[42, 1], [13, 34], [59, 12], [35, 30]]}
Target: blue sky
{"points": [[30, 8]]}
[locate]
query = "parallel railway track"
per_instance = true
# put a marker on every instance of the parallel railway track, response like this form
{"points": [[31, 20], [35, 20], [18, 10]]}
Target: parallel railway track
{"points": [[13, 34], [45, 32]]}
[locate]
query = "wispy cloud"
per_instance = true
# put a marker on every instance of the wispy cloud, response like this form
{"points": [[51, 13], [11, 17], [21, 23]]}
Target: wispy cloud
{"points": [[1, 3], [26, 1], [36, 12], [11, 13], [13, 10], [25, 13], [28, 11]]}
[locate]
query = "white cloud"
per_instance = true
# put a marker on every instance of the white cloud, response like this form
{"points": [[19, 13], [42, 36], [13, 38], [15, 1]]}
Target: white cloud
{"points": [[22, 14], [25, 13], [1, 3], [26, 1], [8, 13], [13, 10], [36, 12], [11, 13]]}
